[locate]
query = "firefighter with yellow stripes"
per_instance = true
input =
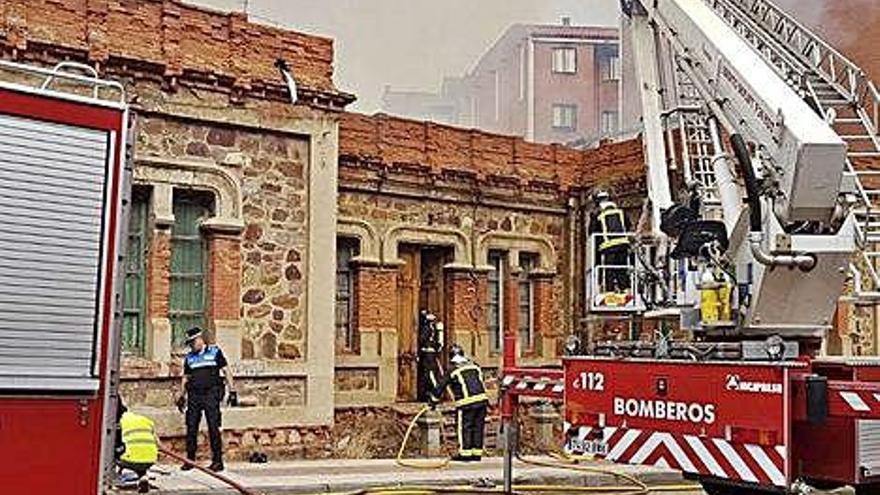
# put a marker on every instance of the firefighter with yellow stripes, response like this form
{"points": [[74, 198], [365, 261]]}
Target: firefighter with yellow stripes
{"points": [[612, 243], [465, 380]]}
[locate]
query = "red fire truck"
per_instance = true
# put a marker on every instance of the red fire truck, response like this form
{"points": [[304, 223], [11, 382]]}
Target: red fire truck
{"points": [[62, 177], [764, 129]]}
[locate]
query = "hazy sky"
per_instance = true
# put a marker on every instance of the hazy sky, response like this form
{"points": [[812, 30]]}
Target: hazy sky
{"points": [[412, 44]]}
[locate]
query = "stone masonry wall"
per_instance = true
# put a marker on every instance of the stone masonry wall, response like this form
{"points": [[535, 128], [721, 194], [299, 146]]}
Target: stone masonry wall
{"points": [[274, 240]]}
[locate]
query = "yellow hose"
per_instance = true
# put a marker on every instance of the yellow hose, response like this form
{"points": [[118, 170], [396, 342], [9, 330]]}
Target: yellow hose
{"points": [[427, 464], [638, 487]]}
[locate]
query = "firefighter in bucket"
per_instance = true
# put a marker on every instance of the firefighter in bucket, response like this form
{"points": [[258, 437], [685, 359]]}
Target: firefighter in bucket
{"points": [[612, 247]]}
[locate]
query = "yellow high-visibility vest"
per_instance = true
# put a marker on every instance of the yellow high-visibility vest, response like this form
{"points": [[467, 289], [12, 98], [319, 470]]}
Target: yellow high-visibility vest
{"points": [[139, 437], [611, 221]]}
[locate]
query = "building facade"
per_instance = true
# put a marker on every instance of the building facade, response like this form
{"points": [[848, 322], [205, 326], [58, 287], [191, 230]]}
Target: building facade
{"points": [[544, 83], [306, 239], [549, 83]]}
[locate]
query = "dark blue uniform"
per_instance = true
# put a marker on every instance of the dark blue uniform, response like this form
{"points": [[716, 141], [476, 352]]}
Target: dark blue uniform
{"points": [[471, 404], [204, 393]]}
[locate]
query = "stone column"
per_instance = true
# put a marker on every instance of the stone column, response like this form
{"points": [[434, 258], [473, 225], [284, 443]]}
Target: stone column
{"points": [[158, 345], [224, 291], [544, 307], [546, 418], [430, 425], [511, 302]]}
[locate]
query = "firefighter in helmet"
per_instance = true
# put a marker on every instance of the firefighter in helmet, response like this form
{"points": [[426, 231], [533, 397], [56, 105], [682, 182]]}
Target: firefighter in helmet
{"points": [[465, 379], [204, 390], [612, 243], [430, 344]]}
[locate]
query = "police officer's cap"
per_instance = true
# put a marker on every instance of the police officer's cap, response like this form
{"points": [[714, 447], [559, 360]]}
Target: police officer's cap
{"points": [[193, 333]]}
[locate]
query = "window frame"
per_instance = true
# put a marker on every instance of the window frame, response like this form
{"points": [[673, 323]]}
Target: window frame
{"points": [[563, 68], [528, 263], [137, 248], [188, 317], [603, 127], [611, 69], [562, 107], [497, 260], [347, 342]]}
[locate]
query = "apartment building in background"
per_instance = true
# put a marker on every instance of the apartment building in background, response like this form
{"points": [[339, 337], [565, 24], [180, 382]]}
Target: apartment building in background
{"points": [[545, 83]]}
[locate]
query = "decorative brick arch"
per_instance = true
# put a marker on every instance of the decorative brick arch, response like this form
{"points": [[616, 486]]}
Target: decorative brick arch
{"points": [[435, 236], [365, 233], [197, 174], [517, 243]]}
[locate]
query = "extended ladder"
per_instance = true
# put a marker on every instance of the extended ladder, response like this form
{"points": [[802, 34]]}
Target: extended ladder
{"points": [[842, 92]]}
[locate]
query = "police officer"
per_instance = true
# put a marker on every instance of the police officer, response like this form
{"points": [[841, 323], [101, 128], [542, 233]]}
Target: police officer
{"points": [[204, 390], [138, 448], [612, 243], [430, 343], [471, 403]]}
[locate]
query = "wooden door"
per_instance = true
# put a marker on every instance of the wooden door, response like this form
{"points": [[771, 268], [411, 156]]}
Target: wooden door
{"points": [[433, 291], [407, 321], [432, 296]]}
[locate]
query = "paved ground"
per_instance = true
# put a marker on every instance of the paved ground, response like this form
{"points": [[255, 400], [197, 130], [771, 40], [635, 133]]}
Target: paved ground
{"points": [[311, 477]]}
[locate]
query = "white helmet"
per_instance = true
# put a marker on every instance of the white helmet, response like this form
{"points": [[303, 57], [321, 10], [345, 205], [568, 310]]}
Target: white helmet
{"points": [[456, 355]]}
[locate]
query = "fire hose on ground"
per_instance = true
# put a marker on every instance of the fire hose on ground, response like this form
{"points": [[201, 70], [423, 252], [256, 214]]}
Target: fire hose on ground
{"points": [[225, 479], [637, 487]]}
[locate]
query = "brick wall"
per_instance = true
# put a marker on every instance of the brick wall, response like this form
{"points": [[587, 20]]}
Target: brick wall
{"points": [[177, 37], [159, 272], [393, 140], [374, 287], [224, 277]]}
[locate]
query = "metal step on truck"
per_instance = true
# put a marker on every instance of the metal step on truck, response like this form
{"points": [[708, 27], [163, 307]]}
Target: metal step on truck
{"points": [[63, 183]]}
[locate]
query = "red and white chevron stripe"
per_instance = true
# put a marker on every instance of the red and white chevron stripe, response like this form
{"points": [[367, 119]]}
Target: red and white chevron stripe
{"points": [[526, 384], [699, 455], [860, 401]]}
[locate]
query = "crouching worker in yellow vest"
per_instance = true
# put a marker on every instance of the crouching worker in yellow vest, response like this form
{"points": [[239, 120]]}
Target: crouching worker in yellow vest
{"points": [[465, 379], [137, 446]]}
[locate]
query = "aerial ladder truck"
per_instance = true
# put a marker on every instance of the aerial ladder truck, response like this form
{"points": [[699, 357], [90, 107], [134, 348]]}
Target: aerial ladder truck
{"points": [[761, 211]]}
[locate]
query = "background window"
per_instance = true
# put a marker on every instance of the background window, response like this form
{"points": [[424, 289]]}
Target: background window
{"points": [[565, 60], [135, 285], [609, 123], [565, 117], [611, 69], [495, 309], [346, 249], [527, 263], [189, 255]]}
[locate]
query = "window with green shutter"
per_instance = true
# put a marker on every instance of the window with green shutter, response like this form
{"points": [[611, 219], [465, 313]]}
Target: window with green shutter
{"points": [[189, 256], [135, 287]]}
